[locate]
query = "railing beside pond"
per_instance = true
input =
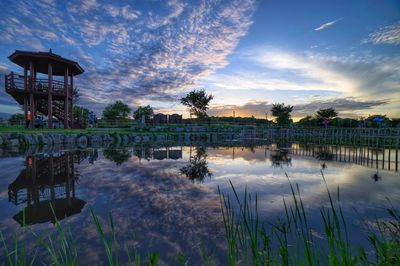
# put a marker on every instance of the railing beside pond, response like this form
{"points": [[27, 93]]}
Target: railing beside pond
{"points": [[379, 137], [384, 159], [377, 145]]}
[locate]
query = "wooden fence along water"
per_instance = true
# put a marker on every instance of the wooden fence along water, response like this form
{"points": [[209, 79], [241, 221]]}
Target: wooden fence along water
{"points": [[378, 148], [365, 156]]}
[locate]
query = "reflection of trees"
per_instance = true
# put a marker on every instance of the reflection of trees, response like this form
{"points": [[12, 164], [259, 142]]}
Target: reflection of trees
{"points": [[118, 156], [93, 155], [324, 154], [283, 143], [280, 158], [143, 153], [250, 147], [197, 168]]}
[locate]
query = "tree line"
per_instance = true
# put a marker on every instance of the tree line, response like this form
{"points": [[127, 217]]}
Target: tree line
{"points": [[198, 102]]}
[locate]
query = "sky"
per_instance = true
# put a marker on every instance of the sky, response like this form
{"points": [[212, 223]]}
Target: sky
{"points": [[248, 53]]}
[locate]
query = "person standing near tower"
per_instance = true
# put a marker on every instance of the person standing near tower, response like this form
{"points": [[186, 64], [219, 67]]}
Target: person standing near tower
{"points": [[28, 119]]}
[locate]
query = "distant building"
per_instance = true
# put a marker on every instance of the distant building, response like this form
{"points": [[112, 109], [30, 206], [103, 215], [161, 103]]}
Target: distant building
{"points": [[160, 118], [175, 119]]}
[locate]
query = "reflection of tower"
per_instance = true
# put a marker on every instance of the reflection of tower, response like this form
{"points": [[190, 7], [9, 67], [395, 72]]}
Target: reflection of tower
{"points": [[45, 181], [93, 155]]}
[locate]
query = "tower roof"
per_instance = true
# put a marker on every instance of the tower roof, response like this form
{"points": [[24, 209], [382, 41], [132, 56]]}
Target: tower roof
{"points": [[41, 60]]}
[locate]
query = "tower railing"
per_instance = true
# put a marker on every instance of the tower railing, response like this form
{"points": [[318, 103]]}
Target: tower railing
{"points": [[15, 82]]}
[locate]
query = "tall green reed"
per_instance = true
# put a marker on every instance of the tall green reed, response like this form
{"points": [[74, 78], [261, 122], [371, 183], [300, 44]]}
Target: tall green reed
{"points": [[290, 240]]}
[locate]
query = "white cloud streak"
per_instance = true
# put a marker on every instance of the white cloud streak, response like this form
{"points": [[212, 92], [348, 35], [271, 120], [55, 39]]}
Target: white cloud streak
{"points": [[327, 25]]}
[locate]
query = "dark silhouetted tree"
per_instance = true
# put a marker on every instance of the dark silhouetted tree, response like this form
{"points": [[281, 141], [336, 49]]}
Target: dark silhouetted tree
{"points": [[377, 121], [282, 113], [16, 118], [147, 111], [308, 121], [77, 95], [118, 156], [328, 113], [80, 111], [395, 122], [116, 111], [81, 114], [197, 101]]}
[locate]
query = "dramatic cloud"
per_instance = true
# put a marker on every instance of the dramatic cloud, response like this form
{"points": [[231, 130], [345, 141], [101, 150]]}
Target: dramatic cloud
{"points": [[327, 25], [259, 108], [359, 75], [385, 35], [131, 52], [154, 53]]}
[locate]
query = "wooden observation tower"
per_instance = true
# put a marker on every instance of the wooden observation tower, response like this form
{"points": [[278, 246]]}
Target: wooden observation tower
{"points": [[49, 96]]}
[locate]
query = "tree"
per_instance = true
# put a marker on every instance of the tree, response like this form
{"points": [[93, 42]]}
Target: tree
{"points": [[116, 111], [197, 101], [377, 121], [77, 95], [344, 122], [328, 113], [395, 122], [81, 112], [282, 113], [147, 111], [308, 121], [117, 156], [80, 115], [16, 119]]}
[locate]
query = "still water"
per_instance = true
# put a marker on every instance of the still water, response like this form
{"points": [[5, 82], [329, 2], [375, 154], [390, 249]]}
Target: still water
{"points": [[165, 199]]}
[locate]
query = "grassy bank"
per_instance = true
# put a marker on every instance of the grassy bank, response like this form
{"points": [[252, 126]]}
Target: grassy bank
{"points": [[249, 241]]}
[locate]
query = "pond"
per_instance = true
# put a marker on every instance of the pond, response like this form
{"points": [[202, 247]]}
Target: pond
{"points": [[166, 199]]}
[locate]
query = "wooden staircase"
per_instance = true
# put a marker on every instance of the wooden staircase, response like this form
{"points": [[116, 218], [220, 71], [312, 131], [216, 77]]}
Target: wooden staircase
{"points": [[58, 110]]}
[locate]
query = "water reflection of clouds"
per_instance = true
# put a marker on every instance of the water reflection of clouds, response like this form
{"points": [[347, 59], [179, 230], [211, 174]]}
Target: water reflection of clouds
{"points": [[169, 214], [357, 188], [153, 200]]}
